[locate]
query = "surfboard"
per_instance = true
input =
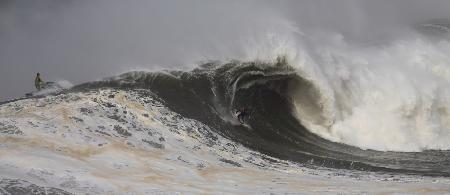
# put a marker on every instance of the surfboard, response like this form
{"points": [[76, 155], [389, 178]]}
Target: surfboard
{"points": [[239, 123], [246, 125]]}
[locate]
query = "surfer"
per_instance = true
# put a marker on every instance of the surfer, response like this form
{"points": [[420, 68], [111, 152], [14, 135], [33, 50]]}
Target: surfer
{"points": [[242, 113], [38, 82]]}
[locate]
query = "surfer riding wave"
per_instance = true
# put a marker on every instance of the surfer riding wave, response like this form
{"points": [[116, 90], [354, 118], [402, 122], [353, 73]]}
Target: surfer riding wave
{"points": [[275, 92]]}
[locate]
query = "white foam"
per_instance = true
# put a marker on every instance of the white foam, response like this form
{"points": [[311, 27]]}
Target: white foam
{"points": [[392, 97], [66, 142], [53, 88]]}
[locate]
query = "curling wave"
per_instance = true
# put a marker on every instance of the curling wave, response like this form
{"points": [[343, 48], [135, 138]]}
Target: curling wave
{"points": [[290, 115]]}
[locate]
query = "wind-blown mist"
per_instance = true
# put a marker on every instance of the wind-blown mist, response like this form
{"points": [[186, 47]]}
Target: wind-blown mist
{"points": [[395, 97], [377, 82]]}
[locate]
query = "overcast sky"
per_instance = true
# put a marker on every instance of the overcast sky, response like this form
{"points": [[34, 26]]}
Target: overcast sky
{"points": [[85, 40]]}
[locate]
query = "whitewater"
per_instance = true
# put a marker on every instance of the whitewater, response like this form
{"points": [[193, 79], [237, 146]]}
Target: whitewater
{"points": [[330, 112], [113, 141], [390, 98]]}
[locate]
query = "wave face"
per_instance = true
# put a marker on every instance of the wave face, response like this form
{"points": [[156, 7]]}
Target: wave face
{"points": [[293, 117]]}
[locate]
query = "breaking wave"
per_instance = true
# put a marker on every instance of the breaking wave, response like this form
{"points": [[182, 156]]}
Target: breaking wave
{"points": [[387, 111], [322, 99]]}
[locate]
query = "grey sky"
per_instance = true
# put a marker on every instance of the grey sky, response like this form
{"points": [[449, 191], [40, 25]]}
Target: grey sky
{"points": [[84, 40]]}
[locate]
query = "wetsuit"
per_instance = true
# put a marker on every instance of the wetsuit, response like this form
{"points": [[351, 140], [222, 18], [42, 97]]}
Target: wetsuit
{"points": [[38, 82], [241, 115]]}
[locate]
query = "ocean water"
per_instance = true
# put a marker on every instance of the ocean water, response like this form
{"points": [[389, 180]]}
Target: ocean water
{"points": [[357, 103]]}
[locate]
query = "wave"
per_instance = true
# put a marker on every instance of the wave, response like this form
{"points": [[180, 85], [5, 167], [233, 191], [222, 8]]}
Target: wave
{"points": [[289, 115], [327, 102], [388, 98]]}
